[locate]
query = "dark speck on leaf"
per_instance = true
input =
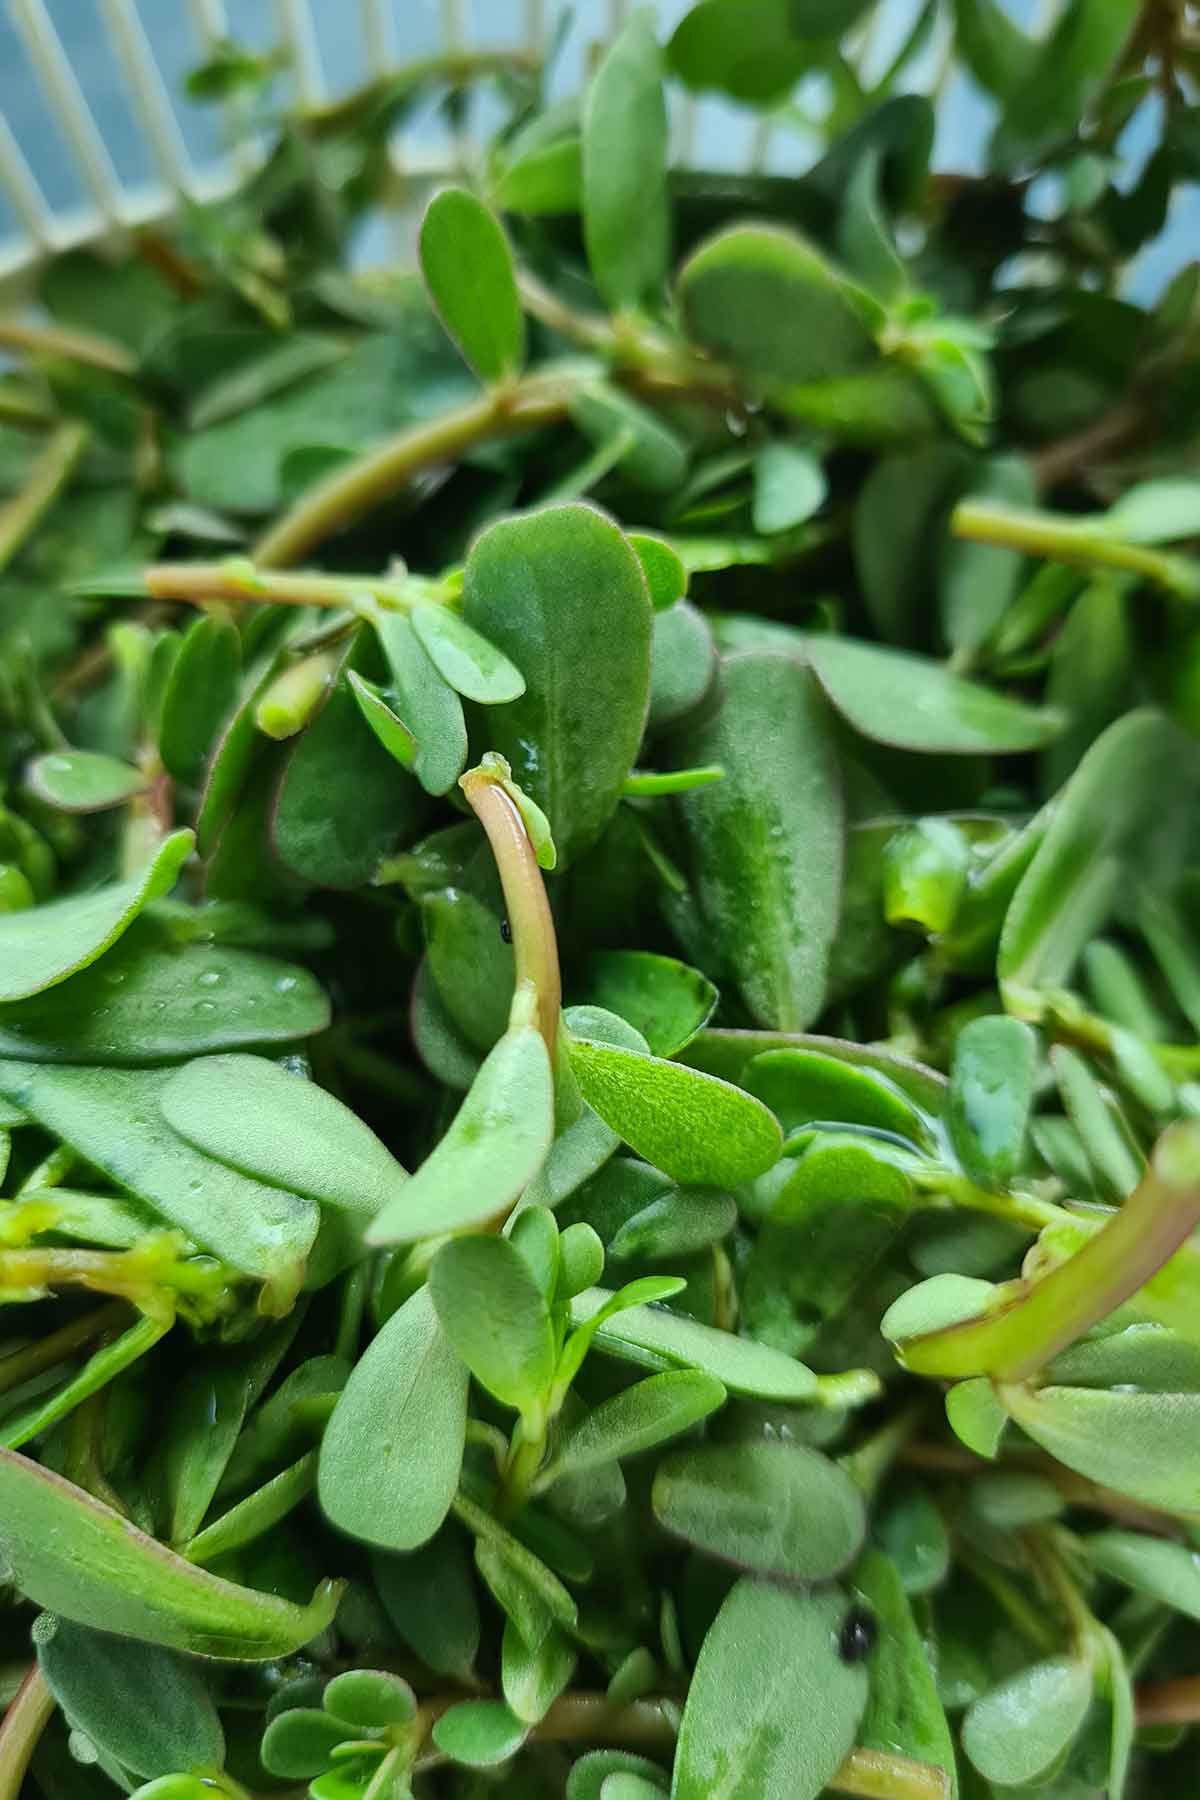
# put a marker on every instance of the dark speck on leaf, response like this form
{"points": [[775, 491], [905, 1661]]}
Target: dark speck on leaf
{"points": [[860, 1629], [506, 931]]}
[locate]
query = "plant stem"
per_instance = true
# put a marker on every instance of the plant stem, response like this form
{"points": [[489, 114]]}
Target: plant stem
{"points": [[50, 472], [345, 495], [23, 1725], [20, 1365], [1082, 542], [1013, 1342], [594, 1717], [1108, 435], [529, 917], [236, 578], [73, 346]]}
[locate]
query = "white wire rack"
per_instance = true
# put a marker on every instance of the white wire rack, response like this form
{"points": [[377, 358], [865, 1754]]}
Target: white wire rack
{"points": [[370, 36]]}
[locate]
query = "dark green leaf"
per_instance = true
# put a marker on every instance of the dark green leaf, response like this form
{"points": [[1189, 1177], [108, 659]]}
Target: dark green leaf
{"points": [[562, 593], [903, 1712], [426, 703], [767, 841], [200, 695], [468, 269], [912, 704], [626, 224], [664, 999], [991, 1096]]}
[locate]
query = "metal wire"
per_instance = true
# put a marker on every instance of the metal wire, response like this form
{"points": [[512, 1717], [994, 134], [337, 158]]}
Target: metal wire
{"points": [[68, 106]]}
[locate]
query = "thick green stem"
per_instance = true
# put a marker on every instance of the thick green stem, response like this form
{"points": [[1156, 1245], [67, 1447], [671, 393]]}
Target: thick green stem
{"points": [[349, 493], [529, 917], [23, 1725], [1081, 542], [49, 475], [1015, 1341]]}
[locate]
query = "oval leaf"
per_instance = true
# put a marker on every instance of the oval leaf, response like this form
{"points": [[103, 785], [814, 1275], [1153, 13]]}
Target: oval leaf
{"points": [[626, 222], [83, 781], [404, 1406], [776, 1508], [496, 1317], [468, 269], [648, 1413]]}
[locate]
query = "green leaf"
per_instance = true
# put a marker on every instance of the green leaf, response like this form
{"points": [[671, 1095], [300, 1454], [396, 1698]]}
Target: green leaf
{"points": [[662, 566], [803, 1086], [430, 1598], [257, 1514], [141, 1705], [301, 1742], [976, 1415], [370, 1698], [111, 1117], [675, 1225], [683, 665], [43, 945], [496, 1317], [1167, 1572], [648, 1413], [789, 487], [407, 1400], [1069, 71], [768, 302], [903, 1712], [496, 1143], [74, 1556], [1090, 842], [471, 665], [626, 223], [561, 592], [941, 715], [728, 1053], [775, 1508], [651, 455], [998, 54], [388, 727], [1089, 673], [589, 1774], [431, 710], [279, 1128], [978, 582], [143, 1003], [1140, 1444], [656, 1338], [342, 803], [200, 695], [1107, 1141], [1019, 1730], [1157, 512], [471, 964], [664, 999], [692, 1126], [468, 269], [775, 1725], [83, 781], [899, 520], [546, 178], [479, 1733], [991, 1096], [766, 842], [207, 1413], [752, 50], [531, 1679]]}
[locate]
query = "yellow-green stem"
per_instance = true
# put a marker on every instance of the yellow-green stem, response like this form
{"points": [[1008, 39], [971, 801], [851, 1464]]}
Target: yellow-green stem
{"points": [[50, 473], [236, 578], [72, 346], [1072, 541], [347, 494]]}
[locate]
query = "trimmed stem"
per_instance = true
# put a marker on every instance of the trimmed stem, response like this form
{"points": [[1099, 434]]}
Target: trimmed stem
{"points": [[878, 1775], [529, 917], [347, 494], [1072, 541], [1174, 1702], [22, 1727], [1015, 1341], [50, 473], [73, 346], [236, 578]]}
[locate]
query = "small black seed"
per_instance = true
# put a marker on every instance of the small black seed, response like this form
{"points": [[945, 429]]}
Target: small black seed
{"points": [[506, 931], [860, 1628]]}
